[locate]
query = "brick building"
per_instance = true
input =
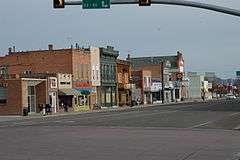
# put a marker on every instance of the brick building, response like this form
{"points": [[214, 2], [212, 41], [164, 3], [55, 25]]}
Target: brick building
{"points": [[173, 77], [19, 93], [123, 82], [143, 80], [66, 61]]}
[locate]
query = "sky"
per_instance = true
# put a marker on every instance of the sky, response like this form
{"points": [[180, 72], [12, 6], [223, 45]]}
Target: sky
{"points": [[210, 41]]}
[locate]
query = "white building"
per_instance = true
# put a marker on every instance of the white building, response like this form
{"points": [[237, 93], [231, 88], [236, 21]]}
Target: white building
{"points": [[195, 86]]}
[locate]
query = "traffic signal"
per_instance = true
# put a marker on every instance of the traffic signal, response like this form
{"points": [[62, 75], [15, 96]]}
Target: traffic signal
{"points": [[58, 3], [144, 2]]}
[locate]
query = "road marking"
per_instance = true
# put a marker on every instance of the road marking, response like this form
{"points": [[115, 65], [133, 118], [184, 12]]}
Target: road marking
{"points": [[202, 124], [208, 122], [237, 128], [126, 113], [235, 114]]}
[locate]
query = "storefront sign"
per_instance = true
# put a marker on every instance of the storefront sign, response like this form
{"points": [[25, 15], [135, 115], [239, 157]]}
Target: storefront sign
{"points": [[53, 82], [79, 84]]}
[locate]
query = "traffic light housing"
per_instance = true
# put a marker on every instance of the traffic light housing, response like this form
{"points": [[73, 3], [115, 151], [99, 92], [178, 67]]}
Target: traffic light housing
{"points": [[144, 2], [58, 3]]}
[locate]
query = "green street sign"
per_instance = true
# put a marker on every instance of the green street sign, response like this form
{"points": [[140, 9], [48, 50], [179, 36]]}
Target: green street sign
{"points": [[95, 4]]}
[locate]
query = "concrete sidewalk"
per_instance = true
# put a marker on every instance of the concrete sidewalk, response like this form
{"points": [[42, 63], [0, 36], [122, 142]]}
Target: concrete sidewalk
{"points": [[110, 109], [9, 118]]}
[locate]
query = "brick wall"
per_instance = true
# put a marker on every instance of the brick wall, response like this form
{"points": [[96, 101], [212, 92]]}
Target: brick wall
{"points": [[14, 99], [81, 64], [156, 70], [41, 94], [48, 61]]}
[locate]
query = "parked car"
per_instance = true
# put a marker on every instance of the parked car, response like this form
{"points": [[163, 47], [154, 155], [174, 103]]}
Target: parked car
{"points": [[230, 96]]}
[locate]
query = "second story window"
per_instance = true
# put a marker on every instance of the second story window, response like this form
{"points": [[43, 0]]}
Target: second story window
{"points": [[27, 72]]}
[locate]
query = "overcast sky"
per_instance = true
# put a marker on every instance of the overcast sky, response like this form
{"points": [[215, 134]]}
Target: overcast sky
{"points": [[209, 40]]}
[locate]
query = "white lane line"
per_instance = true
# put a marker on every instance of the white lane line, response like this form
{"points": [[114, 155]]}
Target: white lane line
{"points": [[202, 124], [235, 114], [208, 122], [237, 128]]}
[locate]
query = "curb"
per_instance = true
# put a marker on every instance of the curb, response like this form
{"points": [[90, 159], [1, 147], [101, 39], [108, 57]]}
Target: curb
{"points": [[118, 109]]}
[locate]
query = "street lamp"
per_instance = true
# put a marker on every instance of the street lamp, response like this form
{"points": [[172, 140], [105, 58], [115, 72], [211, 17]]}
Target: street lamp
{"points": [[131, 91], [162, 70]]}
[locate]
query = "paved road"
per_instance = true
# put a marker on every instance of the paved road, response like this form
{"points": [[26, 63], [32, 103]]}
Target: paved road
{"points": [[194, 131]]}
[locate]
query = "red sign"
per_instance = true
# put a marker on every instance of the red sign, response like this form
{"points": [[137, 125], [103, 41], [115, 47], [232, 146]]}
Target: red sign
{"points": [[79, 84]]}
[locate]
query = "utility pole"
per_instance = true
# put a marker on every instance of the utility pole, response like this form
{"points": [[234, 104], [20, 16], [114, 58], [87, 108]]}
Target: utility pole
{"points": [[187, 3], [162, 72]]}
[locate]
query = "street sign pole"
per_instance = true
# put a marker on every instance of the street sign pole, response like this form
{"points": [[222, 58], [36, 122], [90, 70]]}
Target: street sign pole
{"points": [[211, 7]]}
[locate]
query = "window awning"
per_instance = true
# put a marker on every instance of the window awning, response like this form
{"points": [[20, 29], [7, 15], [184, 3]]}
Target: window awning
{"points": [[74, 92]]}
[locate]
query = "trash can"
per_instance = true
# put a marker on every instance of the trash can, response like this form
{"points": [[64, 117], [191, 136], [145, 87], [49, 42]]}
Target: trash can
{"points": [[25, 111]]}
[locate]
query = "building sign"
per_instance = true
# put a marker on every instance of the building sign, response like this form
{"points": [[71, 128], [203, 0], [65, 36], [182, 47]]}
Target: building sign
{"points": [[179, 76], [156, 86], [53, 82], [210, 85], [82, 84]]}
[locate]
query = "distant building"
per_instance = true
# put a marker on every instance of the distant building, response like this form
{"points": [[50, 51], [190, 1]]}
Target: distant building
{"points": [[196, 86], [95, 75], [192, 74], [173, 75], [143, 81], [123, 82], [210, 77], [108, 88]]}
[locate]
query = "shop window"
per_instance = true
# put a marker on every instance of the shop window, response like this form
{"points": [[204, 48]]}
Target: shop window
{"points": [[177, 95], [3, 101], [27, 72], [81, 100], [31, 90], [97, 74], [75, 101], [93, 74]]}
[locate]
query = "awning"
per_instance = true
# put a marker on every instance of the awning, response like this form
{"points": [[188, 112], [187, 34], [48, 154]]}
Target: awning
{"points": [[74, 92]]}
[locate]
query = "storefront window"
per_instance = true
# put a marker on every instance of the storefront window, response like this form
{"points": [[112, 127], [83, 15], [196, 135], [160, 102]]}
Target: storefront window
{"points": [[108, 98], [113, 97], [103, 98], [81, 100]]}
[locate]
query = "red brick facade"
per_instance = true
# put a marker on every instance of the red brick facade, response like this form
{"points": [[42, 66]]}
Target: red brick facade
{"points": [[66, 61]]}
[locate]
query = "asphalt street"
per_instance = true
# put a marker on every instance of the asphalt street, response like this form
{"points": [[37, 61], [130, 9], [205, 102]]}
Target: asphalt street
{"points": [[193, 131]]}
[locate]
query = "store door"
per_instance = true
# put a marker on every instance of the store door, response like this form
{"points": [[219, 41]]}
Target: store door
{"points": [[53, 101], [31, 99]]}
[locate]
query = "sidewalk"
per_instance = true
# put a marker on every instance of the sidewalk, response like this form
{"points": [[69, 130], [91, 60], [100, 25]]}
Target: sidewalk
{"points": [[110, 109]]}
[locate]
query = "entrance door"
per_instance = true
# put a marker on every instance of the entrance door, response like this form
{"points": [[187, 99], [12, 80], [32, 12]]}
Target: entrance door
{"points": [[31, 99], [53, 101]]}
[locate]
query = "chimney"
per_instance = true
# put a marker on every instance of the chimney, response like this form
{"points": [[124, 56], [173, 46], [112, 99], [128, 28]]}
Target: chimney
{"points": [[9, 50], [128, 57], [179, 53], [14, 49], [50, 47], [110, 47]]}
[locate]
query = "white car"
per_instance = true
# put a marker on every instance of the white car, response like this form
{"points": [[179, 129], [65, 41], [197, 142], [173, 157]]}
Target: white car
{"points": [[230, 96]]}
